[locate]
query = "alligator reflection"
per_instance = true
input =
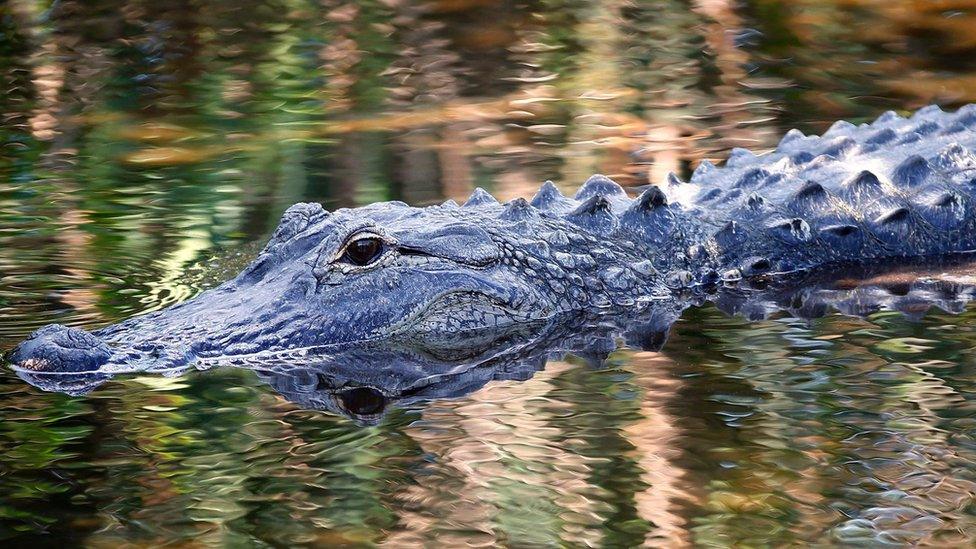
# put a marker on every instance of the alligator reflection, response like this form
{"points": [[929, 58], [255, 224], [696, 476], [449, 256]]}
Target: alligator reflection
{"points": [[362, 381]]}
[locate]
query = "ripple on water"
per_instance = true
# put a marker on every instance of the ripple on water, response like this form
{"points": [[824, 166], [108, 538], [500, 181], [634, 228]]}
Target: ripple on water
{"points": [[136, 141], [41, 289]]}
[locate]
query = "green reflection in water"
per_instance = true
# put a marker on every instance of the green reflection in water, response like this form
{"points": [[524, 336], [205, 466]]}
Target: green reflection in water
{"points": [[142, 139]]}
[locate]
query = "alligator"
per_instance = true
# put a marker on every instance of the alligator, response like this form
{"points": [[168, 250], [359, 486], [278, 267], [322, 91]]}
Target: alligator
{"points": [[449, 276], [363, 380]]}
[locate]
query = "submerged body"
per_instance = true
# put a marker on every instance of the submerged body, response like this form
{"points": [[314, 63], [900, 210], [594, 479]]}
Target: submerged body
{"points": [[449, 275]]}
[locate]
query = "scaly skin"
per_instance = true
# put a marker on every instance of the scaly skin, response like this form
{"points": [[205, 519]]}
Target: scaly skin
{"points": [[450, 276], [895, 188]]}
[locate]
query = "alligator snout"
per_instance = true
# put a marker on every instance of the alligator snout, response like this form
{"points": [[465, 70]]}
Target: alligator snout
{"points": [[58, 348]]}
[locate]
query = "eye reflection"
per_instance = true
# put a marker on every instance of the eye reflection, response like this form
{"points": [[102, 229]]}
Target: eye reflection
{"points": [[363, 251], [363, 401]]}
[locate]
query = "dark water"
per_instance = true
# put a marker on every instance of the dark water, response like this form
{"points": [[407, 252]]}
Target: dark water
{"points": [[141, 140]]}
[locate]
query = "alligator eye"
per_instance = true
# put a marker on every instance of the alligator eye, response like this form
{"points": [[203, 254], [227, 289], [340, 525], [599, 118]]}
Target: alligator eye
{"points": [[363, 251]]}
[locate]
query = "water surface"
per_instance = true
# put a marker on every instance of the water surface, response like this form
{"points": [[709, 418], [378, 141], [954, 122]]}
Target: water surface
{"points": [[148, 148]]}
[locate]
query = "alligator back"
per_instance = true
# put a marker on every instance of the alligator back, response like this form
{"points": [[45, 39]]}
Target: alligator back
{"points": [[895, 188], [898, 187]]}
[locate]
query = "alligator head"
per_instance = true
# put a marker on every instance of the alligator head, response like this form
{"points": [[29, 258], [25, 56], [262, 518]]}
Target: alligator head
{"points": [[445, 275]]}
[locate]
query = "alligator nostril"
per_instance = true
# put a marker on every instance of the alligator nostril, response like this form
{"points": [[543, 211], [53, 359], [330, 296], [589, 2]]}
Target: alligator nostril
{"points": [[59, 348]]}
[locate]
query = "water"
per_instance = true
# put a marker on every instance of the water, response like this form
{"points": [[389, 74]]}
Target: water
{"points": [[148, 149]]}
